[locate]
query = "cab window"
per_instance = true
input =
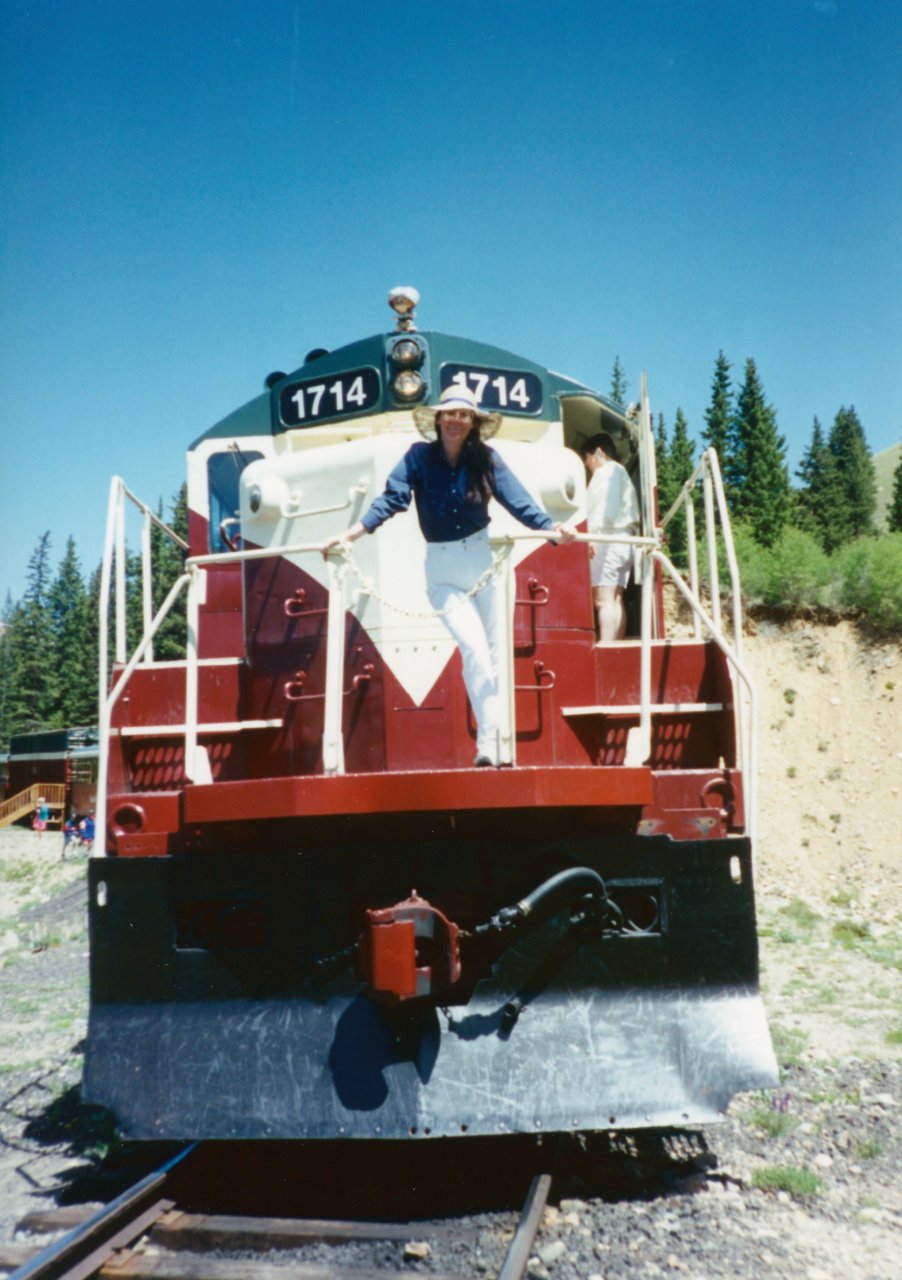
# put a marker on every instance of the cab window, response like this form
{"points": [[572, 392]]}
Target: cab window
{"points": [[223, 473]]}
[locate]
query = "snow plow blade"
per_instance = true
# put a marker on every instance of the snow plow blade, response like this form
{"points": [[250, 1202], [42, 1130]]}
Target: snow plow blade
{"points": [[224, 1006]]}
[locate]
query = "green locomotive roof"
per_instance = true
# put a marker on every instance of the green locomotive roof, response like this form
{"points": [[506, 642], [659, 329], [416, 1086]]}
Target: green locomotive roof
{"points": [[260, 416]]}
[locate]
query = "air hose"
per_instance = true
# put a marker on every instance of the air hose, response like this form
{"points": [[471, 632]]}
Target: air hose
{"points": [[580, 884]]}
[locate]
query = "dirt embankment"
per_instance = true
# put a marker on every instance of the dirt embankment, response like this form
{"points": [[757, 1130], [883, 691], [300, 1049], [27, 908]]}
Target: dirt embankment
{"points": [[829, 844]]}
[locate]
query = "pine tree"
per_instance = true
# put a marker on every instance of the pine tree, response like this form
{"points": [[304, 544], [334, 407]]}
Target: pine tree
{"points": [[619, 384], [31, 648], [817, 497], [6, 670], [719, 414], [758, 478], [662, 468], [856, 482], [168, 563], [682, 464], [675, 462], [74, 691], [894, 512], [92, 641], [134, 601]]}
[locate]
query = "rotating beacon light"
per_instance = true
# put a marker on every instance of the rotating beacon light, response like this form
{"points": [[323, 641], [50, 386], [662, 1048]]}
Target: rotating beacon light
{"points": [[406, 353], [403, 300]]}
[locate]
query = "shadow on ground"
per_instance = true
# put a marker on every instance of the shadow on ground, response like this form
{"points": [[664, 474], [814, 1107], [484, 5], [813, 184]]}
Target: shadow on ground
{"points": [[436, 1178]]}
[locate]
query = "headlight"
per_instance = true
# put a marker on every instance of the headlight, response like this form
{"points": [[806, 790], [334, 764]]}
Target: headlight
{"points": [[264, 494], [407, 352], [408, 385]]}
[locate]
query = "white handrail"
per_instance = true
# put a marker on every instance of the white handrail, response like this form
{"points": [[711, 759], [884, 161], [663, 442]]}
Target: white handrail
{"points": [[289, 509], [747, 760], [120, 567], [108, 702], [650, 553], [333, 738], [504, 606], [146, 581], [192, 626], [713, 567], [692, 547]]}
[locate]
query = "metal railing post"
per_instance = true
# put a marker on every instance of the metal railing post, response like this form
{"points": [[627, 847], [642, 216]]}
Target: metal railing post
{"points": [[192, 610], [146, 581], [711, 536], [120, 577], [647, 609], [692, 548], [103, 619], [504, 604], [729, 546], [333, 740], [745, 726]]}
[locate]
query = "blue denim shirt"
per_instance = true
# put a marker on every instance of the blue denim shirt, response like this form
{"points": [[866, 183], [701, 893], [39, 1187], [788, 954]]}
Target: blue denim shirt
{"points": [[444, 511]]}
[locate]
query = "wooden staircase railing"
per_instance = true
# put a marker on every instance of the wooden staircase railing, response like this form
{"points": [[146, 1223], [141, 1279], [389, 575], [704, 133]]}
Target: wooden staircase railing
{"points": [[25, 802]]}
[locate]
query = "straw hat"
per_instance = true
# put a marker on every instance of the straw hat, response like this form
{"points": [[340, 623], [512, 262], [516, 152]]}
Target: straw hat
{"points": [[455, 397]]}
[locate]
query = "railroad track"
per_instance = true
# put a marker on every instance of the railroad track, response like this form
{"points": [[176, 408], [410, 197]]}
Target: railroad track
{"points": [[143, 1235]]}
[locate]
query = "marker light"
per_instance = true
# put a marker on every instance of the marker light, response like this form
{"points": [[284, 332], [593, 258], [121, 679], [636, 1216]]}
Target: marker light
{"points": [[403, 299], [408, 385], [407, 352]]}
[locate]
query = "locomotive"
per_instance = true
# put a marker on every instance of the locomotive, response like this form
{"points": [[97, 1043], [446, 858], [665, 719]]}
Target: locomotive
{"points": [[310, 915]]}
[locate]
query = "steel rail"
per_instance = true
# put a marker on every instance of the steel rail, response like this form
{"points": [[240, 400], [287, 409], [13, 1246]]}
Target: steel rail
{"points": [[520, 1248], [89, 1248], [83, 1250]]}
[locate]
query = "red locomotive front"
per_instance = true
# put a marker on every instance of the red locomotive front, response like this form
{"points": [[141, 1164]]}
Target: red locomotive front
{"points": [[313, 916]]}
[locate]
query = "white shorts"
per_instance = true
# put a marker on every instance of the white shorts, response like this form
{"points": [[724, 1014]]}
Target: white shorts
{"points": [[611, 564]]}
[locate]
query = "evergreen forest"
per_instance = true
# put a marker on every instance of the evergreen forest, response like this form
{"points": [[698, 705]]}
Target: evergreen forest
{"points": [[808, 541]]}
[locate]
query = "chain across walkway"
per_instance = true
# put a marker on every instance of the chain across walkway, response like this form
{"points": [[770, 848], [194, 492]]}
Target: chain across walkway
{"points": [[367, 588]]}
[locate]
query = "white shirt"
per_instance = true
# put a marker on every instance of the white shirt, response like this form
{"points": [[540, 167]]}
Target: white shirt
{"points": [[611, 502]]}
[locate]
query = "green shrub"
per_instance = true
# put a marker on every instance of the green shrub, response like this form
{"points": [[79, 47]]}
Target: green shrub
{"points": [[779, 1177], [869, 1148], [752, 560], [796, 573], [868, 576], [850, 933], [754, 563], [775, 1123], [796, 570]]}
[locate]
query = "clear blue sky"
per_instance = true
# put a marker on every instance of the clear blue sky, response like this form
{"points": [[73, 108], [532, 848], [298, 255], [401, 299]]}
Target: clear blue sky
{"points": [[196, 192]]}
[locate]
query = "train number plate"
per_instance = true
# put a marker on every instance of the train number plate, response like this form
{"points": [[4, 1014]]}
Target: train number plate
{"points": [[302, 404], [506, 389]]}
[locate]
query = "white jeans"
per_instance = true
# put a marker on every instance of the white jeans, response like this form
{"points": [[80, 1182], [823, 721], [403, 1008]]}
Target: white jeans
{"points": [[451, 570]]}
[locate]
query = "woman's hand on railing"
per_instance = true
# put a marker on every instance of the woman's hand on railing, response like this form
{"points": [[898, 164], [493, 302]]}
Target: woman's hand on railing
{"points": [[350, 535], [564, 532]]}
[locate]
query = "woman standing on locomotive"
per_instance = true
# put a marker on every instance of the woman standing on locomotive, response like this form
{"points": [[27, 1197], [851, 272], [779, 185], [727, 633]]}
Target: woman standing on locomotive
{"points": [[451, 478]]}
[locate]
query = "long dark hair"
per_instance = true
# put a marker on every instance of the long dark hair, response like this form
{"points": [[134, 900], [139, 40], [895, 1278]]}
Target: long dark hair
{"points": [[477, 459]]}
